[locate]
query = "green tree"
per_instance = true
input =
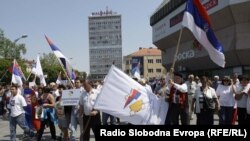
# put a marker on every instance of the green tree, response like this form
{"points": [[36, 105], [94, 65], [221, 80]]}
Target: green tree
{"points": [[51, 66], [5, 74], [9, 49], [81, 74]]}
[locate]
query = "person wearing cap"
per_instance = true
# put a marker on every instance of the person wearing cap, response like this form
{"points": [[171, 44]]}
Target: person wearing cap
{"points": [[178, 101], [225, 93]]}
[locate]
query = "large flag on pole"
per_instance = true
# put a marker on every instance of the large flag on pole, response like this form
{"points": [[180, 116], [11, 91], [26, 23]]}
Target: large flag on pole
{"points": [[136, 71], [123, 97], [37, 70], [198, 22], [17, 74], [64, 61]]}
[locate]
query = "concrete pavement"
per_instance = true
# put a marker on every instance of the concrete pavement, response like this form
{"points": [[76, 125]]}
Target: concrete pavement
{"points": [[5, 132]]}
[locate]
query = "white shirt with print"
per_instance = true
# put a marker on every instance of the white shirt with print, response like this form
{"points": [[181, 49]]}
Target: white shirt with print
{"points": [[16, 105]]}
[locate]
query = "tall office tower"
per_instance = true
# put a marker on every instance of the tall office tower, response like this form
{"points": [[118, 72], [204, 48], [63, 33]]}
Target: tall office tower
{"points": [[105, 43]]}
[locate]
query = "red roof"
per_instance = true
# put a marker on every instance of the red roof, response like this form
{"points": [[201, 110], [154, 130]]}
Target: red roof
{"points": [[147, 52]]}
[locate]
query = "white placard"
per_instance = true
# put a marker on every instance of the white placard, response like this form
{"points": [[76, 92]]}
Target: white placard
{"points": [[71, 97]]}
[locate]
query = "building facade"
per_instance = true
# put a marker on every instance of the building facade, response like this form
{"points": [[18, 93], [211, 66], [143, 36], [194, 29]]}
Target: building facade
{"points": [[105, 42], [230, 21], [150, 62]]}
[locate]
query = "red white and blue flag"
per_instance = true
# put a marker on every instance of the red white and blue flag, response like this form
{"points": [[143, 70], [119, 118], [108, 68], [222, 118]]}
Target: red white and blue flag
{"points": [[198, 22], [136, 71], [17, 74], [64, 61]]}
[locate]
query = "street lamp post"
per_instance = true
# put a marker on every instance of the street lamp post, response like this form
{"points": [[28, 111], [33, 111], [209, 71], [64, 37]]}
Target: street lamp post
{"points": [[16, 40], [23, 36]]}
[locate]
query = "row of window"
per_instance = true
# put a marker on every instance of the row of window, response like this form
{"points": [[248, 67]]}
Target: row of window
{"points": [[165, 10], [94, 57], [150, 61], [105, 43], [105, 37], [149, 71], [105, 27], [106, 51], [104, 22], [152, 70]]}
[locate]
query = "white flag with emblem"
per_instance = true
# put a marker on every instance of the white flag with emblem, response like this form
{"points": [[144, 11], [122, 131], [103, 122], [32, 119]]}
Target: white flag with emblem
{"points": [[123, 97]]}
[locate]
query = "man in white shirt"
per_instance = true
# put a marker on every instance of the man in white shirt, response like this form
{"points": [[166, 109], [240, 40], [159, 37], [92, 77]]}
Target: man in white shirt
{"points": [[91, 116], [17, 115]]}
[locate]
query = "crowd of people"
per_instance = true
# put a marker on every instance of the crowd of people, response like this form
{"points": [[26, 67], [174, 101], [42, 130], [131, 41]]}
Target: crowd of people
{"points": [[229, 98], [36, 108]]}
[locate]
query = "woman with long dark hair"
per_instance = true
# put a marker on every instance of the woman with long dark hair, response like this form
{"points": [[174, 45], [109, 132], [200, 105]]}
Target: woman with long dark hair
{"points": [[48, 103]]}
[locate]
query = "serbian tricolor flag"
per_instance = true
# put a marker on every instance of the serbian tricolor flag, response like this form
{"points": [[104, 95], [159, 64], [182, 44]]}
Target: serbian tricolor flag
{"points": [[17, 74], [64, 61], [198, 22], [136, 71]]}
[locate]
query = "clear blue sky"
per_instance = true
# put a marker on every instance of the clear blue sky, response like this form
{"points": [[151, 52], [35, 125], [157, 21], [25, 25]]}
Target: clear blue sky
{"points": [[65, 22]]}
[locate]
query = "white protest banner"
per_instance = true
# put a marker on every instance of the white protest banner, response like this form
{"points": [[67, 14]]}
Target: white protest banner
{"points": [[71, 97]]}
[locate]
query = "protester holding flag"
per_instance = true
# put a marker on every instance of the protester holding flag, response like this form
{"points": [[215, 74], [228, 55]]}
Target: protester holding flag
{"points": [[91, 116], [125, 98], [178, 101]]}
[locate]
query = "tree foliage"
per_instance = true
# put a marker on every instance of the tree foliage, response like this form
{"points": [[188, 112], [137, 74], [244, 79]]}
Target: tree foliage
{"points": [[9, 49], [51, 67], [5, 74]]}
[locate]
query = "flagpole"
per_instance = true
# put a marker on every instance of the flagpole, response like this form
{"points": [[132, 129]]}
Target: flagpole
{"points": [[3, 75], [29, 76], [176, 52], [65, 73], [14, 63]]}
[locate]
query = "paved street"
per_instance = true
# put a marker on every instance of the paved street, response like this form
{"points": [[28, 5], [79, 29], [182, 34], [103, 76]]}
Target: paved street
{"points": [[5, 132]]}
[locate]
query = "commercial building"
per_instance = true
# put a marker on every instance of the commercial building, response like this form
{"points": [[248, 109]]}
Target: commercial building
{"points": [[150, 62], [105, 42], [231, 24]]}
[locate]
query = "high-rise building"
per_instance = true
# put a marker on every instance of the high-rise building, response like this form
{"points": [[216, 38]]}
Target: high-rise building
{"points": [[105, 42]]}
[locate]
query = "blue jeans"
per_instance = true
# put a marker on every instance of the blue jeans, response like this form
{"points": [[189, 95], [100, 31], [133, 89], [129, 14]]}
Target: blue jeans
{"points": [[73, 124], [20, 120]]}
